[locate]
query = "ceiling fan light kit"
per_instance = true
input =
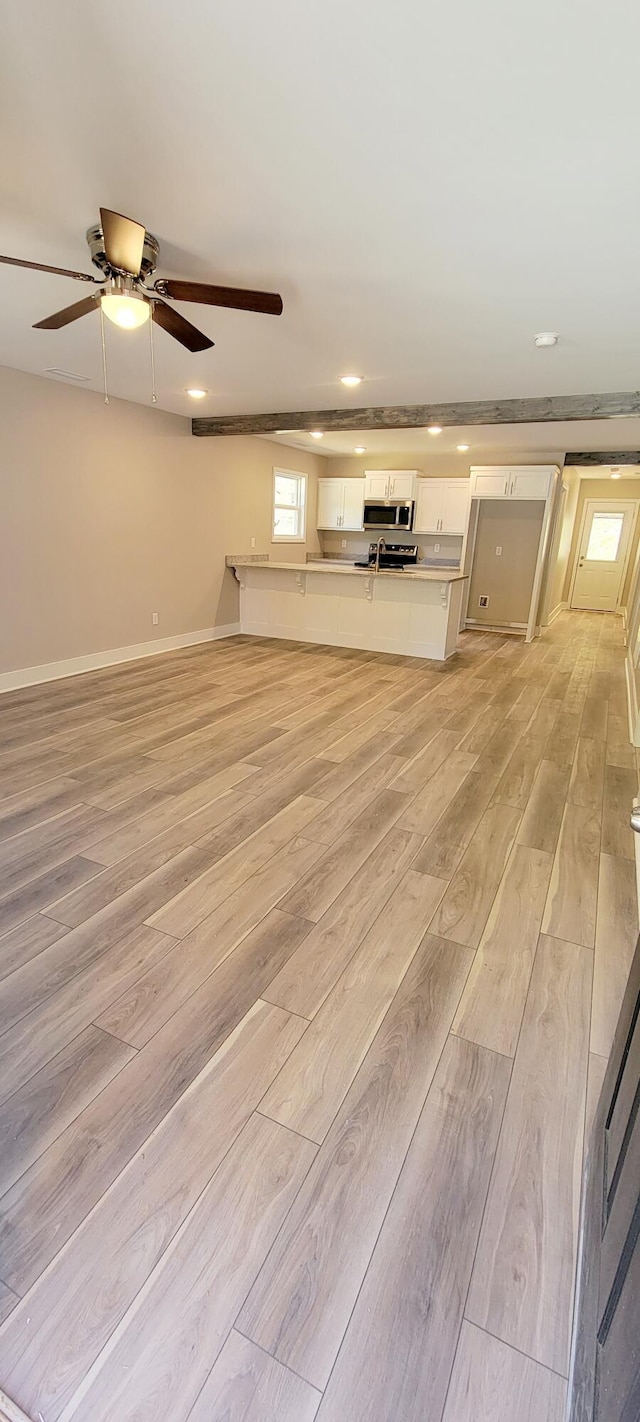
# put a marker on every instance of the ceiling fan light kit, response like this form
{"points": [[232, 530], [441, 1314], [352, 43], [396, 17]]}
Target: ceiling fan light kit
{"points": [[127, 255], [126, 307]]}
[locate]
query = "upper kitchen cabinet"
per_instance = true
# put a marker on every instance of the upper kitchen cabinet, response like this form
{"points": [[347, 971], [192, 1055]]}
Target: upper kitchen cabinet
{"points": [[442, 506], [390, 483], [533, 481], [340, 503]]}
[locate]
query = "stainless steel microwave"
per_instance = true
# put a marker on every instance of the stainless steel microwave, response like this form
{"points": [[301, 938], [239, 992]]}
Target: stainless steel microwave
{"points": [[394, 514]]}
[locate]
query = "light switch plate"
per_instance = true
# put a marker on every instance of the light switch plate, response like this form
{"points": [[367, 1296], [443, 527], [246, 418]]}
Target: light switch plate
{"points": [[499, 551]]}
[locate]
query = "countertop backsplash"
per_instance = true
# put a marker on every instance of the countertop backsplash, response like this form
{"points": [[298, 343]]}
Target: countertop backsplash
{"points": [[447, 556]]}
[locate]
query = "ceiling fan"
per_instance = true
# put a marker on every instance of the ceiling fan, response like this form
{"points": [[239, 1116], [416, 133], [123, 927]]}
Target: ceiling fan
{"points": [[126, 255]]}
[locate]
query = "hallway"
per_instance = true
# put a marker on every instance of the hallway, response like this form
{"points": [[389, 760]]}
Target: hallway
{"points": [[310, 961]]}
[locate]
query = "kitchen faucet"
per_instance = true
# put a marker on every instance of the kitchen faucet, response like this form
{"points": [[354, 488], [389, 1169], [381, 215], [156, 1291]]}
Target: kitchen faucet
{"points": [[380, 548]]}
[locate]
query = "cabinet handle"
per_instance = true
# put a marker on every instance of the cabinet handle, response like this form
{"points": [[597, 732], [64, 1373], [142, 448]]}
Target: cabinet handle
{"points": [[506, 486]]}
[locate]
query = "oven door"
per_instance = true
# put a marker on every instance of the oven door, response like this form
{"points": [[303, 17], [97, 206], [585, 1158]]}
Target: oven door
{"points": [[391, 515]]}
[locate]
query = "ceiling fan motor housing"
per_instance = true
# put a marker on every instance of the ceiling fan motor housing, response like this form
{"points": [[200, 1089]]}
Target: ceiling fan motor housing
{"points": [[150, 252]]}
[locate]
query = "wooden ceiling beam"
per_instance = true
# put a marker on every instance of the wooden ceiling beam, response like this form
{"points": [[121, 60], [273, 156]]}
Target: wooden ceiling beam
{"points": [[547, 409], [591, 457]]}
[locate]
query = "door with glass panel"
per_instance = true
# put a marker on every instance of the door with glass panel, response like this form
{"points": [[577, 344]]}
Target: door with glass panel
{"points": [[605, 538]]}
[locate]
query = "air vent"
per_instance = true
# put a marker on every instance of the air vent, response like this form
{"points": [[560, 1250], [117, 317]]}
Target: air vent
{"points": [[483, 600], [65, 374]]}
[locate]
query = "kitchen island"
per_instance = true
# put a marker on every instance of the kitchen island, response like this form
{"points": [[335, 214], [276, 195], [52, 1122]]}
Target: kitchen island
{"points": [[415, 613]]}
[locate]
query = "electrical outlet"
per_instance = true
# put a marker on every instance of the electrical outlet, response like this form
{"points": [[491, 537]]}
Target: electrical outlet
{"points": [[154, 618], [253, 542], [483, 600], [343, 542], [436, 547], [499, 551]]}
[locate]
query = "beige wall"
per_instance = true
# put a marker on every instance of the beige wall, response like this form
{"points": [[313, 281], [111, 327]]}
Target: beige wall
{"points": [[110, 513], [603, 489], [513, 525], [560, 548], [353, 466]]}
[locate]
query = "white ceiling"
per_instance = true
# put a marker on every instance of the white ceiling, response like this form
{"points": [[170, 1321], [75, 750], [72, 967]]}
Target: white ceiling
{"points": [[540, 443], [427, 185]]}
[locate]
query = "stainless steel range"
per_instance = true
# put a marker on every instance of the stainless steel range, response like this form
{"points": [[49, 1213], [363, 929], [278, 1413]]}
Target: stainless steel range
{"points": [[398, 556]]}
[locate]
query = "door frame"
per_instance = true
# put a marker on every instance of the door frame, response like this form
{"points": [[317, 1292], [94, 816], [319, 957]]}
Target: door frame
{"points": [[604, 504]]}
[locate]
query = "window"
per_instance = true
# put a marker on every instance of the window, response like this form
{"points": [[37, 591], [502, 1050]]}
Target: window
{"points": [[604, 538], [289, 506]]}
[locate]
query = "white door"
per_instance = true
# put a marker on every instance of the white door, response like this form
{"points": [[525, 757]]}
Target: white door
{"points": [[455, 506], [330, 503], [353, 506], [603, 549], [376, 486]]}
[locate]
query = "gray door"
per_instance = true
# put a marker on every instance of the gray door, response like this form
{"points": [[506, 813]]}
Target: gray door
{"points": [[605, 1379]]}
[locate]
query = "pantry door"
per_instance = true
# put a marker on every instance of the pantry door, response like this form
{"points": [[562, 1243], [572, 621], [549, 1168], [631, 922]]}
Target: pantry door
{"points": [[605, 539]]}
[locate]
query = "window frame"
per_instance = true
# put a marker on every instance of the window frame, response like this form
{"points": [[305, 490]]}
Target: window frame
{"points": [[301, 506]]}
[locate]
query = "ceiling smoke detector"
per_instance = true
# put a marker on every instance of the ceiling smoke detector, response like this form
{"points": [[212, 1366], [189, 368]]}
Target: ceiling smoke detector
{"points": [[546, 338]]}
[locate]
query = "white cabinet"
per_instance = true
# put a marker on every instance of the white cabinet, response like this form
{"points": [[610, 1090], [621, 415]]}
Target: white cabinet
{"points": [[490, 485], [340, 503], [402, 485], [530, 483], [376, 486], [442, 506], [524, 482], [353, 503], [390, 483]]}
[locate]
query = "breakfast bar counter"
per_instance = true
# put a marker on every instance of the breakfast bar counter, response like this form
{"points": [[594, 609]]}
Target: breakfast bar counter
{"points": [[415, 613]]}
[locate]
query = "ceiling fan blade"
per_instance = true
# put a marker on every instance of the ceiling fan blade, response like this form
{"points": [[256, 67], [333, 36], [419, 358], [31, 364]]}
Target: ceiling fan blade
{"points": [[123, 241], [182, 330], [70, 313], [266, 302], [40, 267]]}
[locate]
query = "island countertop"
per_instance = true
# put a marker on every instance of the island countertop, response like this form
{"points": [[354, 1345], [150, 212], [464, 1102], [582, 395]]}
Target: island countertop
{"points": [[413, 613], [426, 575]]}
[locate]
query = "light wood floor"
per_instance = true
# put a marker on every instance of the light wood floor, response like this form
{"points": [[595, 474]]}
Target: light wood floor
{"points": [[310, 961]]}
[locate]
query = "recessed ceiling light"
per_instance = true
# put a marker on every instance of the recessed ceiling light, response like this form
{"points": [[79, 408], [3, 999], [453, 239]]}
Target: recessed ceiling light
{"points": [[196, 393], [360, 449], [462, 448], [614, 476], [546, 338], [350, 379], [317, 434], [434, 429]]}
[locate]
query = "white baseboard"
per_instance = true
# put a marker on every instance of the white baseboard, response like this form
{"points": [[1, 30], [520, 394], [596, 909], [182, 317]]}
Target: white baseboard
{"points": [[560, 607], [75, 666], [632, 698]]}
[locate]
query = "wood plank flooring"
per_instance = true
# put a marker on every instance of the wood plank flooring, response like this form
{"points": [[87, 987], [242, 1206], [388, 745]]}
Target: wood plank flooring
{"points": [[310, 960]]}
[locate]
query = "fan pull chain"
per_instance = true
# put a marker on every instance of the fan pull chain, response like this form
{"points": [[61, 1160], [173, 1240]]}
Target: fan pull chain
{"points": [[104, 356], [154, 397]]}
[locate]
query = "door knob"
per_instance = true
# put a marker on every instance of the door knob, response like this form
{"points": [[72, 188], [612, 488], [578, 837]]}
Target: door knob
{"points": [[635, 820]]}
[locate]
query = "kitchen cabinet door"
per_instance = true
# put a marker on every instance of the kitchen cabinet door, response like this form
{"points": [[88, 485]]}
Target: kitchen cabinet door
{"points": [[455, 506], [376, 486], [353, 504], [401, 485], [492, 484], [428, 512], [529, 483], [330, 503]]}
